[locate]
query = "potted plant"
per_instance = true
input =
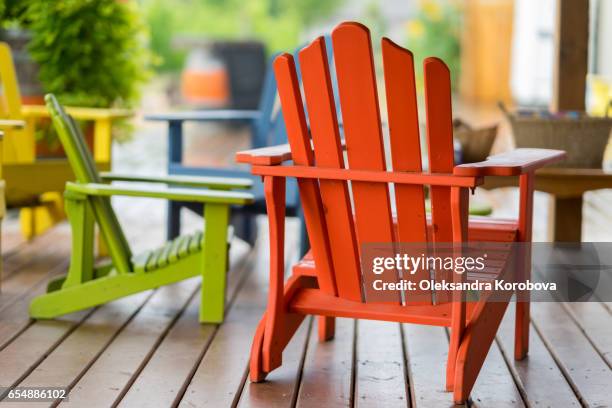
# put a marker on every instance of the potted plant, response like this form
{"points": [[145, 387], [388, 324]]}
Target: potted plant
{"points": [[89, 53]]}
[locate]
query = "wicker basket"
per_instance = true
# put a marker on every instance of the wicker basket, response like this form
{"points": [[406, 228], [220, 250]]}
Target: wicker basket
{"points": [[584, 139], [475, 143]]}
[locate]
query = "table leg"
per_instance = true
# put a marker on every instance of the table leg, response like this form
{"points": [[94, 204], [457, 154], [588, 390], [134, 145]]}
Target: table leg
{"points": [[568, 219]]}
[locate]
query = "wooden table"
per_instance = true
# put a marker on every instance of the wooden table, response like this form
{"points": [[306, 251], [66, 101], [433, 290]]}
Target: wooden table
{"points": [[567, 187]]}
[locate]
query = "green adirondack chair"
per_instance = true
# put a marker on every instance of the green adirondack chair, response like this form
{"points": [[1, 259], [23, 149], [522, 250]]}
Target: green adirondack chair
{"points": [[87, 202]]}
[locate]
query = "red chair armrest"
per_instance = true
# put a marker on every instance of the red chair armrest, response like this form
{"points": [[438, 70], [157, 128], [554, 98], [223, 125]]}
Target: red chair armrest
{"points": [[265, 156], [513, 163]]}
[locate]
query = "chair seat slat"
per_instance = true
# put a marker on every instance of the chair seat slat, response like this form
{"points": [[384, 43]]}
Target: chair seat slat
{"points": [[195, 243], [140, 261]]}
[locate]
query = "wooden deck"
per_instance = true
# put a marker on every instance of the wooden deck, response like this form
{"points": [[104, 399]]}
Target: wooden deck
{"points": [[149, 350]]}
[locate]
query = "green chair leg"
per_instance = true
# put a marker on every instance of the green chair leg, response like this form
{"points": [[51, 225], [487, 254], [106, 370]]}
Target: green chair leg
{"points": [[81, 221], [214, 263]]}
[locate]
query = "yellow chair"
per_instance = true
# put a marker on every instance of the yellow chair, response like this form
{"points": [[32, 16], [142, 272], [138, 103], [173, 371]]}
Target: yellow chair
{"points": [[33, 184], [5, 125]]}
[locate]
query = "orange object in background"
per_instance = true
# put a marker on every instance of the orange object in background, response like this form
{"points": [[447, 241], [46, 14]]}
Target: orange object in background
{"points": [[205, 87], [204, 80], [33, 99]]}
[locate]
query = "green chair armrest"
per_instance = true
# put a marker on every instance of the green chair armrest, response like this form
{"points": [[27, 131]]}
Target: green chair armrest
{"points": [[175, 194], [222, 183]]}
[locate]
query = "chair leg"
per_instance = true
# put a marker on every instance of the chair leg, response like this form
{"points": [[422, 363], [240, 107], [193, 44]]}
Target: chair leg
{"points": [[251, 229], [214, 265], [304, 242], [521, 330], [173, 226], [451, 361], [327, 328], [256, 372], [81, 220], [279, 329], [475, 345], [245, 227], [36, 220]]}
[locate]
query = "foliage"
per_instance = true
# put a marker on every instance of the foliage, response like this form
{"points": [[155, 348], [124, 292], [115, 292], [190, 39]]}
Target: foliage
{"points": [[13, 10], [435, 31], [278, 23], [90, 52], [162, 25]]}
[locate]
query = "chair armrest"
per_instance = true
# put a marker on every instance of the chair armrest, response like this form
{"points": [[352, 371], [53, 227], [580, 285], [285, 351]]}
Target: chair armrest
{"points": [[265, 156], [206, 116], [40, 111], [269, 156], [221, 183], [174, 194], [513, 163], [7, 124]]}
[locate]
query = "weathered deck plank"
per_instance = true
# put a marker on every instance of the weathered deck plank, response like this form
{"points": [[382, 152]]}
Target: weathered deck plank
{"points": [[596, 323], [495, 385], [113, 373], [582, 366], [15, 318], [327, 377], [281, 385], [41, 259], [113, 369], [178, 352], [12, 241], [426, 353], [19, 358], [71, 358], [27, 274], [380, 365], [541, 381], [222, 371]]}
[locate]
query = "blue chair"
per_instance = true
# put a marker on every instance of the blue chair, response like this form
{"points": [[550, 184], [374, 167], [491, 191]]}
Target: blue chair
{"points": [[267, 129]]}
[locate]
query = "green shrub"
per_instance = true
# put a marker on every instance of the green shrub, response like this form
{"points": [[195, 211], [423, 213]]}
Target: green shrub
{"points": [[90, 52]]}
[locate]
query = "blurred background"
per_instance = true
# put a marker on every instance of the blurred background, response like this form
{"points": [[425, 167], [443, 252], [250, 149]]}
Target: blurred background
{"points": [[166, 55]]}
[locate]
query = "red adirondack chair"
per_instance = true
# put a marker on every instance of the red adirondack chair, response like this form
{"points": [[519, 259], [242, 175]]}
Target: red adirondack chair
{"points": [[328, 282]]}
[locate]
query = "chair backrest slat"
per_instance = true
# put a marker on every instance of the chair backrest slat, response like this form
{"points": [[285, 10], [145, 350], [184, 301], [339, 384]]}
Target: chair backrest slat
{"points": [[11, 95], [83, 166], [402, 112], [18, 144], [86, 171], [362, 130], [301, 152], [328, 152], [440, 149]]}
